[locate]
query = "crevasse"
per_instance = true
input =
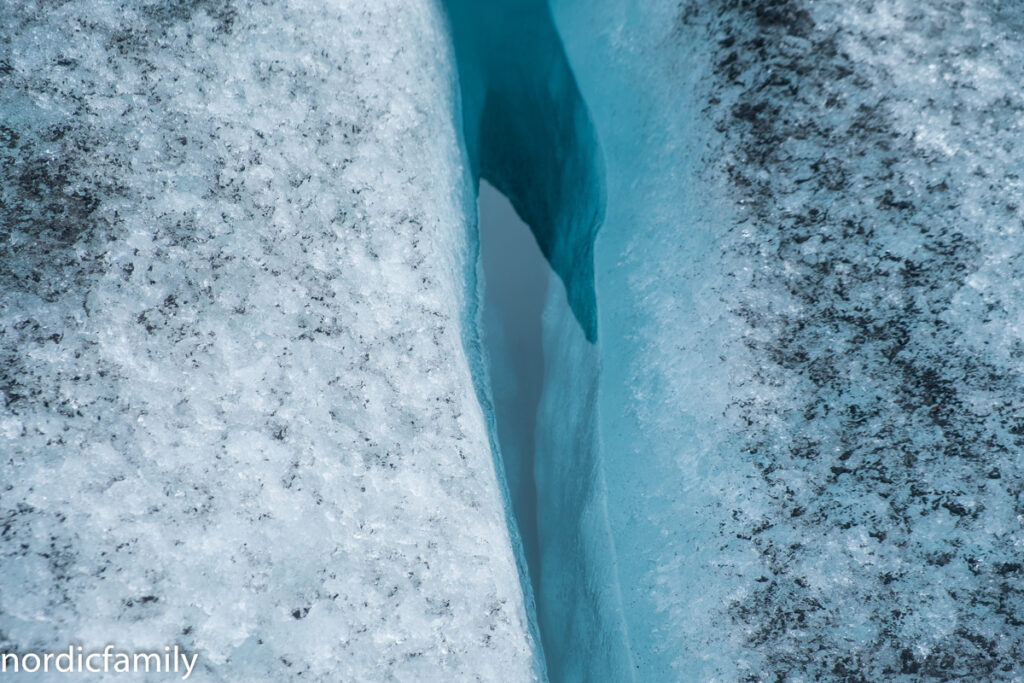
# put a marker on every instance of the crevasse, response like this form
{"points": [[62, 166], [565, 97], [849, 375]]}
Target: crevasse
{"points": [[528, 132]]}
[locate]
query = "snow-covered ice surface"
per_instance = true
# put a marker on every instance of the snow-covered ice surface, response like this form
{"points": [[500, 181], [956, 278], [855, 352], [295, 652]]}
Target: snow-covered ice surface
{"points": [[811, 319], [237, 414]]}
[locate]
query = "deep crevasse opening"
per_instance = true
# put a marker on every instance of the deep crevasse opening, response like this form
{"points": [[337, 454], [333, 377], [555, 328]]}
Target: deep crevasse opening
{"points": [[542, 376], [514, 284], [527, 131]]}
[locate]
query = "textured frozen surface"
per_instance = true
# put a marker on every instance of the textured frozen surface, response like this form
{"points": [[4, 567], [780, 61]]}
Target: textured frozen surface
{"points": [[237, 414], [811, 283], [236, 410]]}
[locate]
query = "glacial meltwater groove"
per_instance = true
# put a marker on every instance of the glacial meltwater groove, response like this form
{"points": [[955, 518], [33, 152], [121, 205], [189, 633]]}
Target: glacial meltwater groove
{"points": [[528, 133]]}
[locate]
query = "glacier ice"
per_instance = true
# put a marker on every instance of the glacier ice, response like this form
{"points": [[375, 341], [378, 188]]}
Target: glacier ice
{"points": [[237, 414], [809, 323], [250, 402]]}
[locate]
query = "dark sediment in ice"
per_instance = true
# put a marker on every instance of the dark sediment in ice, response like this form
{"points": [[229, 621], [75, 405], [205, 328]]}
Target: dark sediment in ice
{"points": [[809, 285]]}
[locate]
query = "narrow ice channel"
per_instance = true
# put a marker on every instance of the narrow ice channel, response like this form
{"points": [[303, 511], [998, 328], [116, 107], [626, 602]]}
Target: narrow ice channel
{"points": [[515, 281], [528, 133]]}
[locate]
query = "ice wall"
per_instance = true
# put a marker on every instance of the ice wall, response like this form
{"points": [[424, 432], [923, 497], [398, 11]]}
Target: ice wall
{"points": [[809, 310], [237, 415]]}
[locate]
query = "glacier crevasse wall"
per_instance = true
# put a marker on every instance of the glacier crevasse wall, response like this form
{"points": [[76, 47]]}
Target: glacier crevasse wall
{"points": [[809, 286], [237, 415]]}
